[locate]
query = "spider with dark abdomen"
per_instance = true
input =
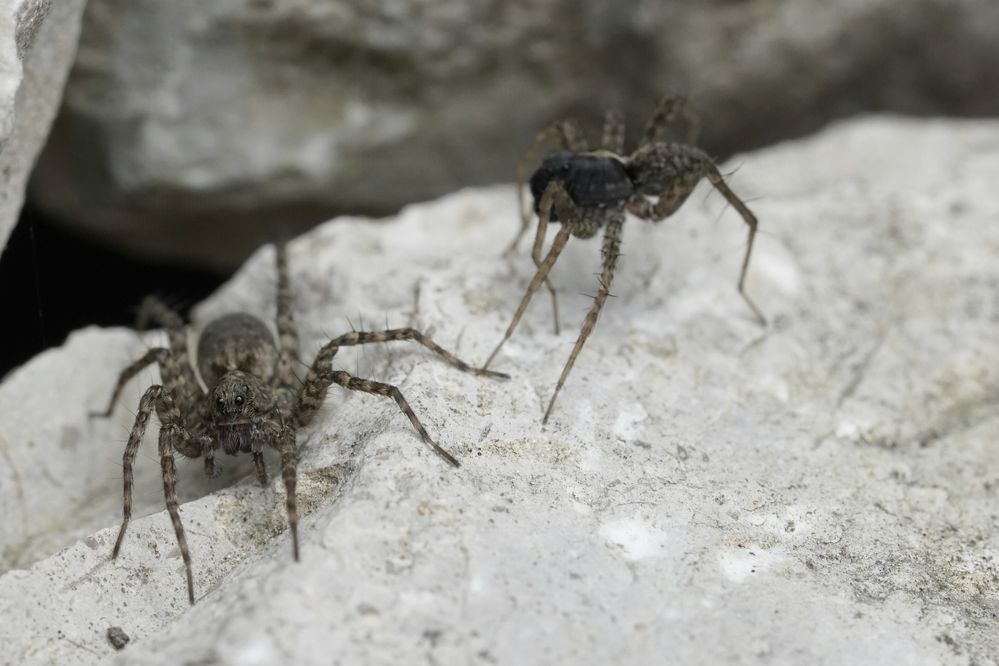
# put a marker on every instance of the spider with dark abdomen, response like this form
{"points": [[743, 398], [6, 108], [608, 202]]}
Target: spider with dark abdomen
{"points": [[254, 399], [588, 190]]}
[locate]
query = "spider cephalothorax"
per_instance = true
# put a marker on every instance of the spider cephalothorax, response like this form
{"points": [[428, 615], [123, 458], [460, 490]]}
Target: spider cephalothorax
{"points": [[588, 190], [253, 398], [242, 405]]}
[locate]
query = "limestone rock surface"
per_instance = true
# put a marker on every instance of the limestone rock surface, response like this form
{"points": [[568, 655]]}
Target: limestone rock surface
{"points": [[708, 491], [37, 43], [198, 131]]}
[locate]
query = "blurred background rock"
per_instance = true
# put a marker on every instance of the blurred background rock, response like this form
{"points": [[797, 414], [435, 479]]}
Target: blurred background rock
{"points": [[197, 130], [191, 132]]}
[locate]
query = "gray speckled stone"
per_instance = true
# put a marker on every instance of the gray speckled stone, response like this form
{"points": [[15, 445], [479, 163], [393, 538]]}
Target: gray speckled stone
{"points": [[822, 491]]}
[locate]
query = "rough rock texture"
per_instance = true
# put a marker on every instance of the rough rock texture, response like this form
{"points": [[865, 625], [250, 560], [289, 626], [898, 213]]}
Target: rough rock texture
{"points": [[37, 43], [821, 491], [200, 130]]}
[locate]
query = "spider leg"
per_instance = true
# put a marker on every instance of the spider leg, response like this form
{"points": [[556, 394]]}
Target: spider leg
{"points": [[155, 355], [352, 383], [284, 375], [176, 370], [716, 179], [320, 375], [567, 135], [172, 437], [613, 135], [258, 463], [539, 240], [170, 494], [682, 167], [669, 108], [289, 474], [555, 197], [610, 251], [208, 446]]}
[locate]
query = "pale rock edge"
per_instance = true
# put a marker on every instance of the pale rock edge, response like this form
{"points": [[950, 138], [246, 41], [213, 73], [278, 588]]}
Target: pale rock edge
{"points": [[38, 40]]}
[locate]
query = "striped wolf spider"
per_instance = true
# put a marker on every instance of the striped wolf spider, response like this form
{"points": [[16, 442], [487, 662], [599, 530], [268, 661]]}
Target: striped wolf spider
{"points": [[588, 190], [254, 398]]}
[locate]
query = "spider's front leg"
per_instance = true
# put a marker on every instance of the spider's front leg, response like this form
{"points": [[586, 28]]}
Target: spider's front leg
{"points": [[155, 355], [671, 171], [321, 376], [282, 439], [173, 438], [554, 198]]}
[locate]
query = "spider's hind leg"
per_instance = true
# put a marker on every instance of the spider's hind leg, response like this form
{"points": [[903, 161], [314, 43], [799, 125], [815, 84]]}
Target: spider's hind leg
{"points": [[613, 135], [284, 375], [567, 135], [669, 108]]}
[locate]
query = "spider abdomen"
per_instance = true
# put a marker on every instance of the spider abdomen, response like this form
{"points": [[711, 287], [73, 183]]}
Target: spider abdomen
{"points": [[236, 342], [590, 179]]}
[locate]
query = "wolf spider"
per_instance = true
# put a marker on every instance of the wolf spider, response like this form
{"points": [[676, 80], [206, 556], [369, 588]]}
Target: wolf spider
{"points": [[253, 399], [586, 190]]}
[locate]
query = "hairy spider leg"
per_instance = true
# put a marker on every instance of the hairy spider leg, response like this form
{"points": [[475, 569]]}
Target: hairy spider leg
{"points": [[155, 355], [539, 241], [567, 135], [610, 252], [176, 371], [669, 108], [613, 134], [289, 474], [258, 462], [352, 383], [321, 376], [684, 166], [284, 375], [716, 179], [555, 197], [173, 437]]}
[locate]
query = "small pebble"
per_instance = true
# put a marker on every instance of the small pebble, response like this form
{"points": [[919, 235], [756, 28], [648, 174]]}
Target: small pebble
{"points": [[117, 637]]}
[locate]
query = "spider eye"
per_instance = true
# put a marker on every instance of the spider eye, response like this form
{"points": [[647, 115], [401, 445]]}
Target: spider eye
{"points": [[220, 402], [239, 400]]}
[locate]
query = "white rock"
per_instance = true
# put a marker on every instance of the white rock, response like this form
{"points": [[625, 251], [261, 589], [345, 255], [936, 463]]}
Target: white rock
{"points": [[821, 491], [37, 44]]}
